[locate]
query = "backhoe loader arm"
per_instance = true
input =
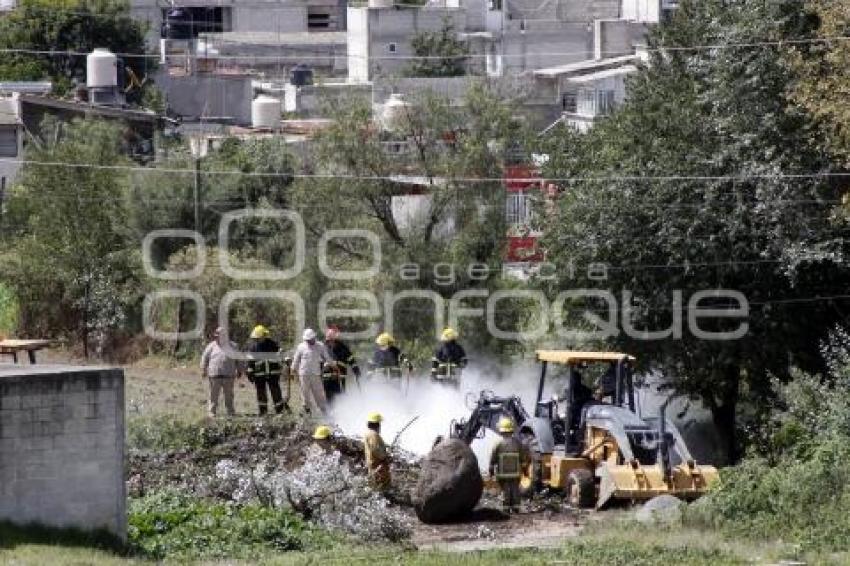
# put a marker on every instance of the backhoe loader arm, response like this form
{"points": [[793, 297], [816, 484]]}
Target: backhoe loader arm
{"points": [[486, 414]]}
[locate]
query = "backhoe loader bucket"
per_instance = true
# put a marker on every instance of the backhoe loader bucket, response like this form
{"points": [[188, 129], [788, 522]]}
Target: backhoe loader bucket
{"points": [[635, 482]]}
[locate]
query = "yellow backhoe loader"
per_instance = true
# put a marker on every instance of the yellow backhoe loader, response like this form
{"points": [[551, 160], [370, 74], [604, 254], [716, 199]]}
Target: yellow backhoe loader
{"points": [[592, 442]]}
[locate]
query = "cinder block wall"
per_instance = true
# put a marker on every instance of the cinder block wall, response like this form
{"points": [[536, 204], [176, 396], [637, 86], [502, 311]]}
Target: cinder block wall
{"points": [[62, 447]]}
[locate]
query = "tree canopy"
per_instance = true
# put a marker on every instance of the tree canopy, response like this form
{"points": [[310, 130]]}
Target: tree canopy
{"points": [[708, 178], [40, 28], [440, 53]]}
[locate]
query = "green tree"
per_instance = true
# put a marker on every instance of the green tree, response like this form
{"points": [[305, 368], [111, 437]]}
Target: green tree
{"points": [[252, 173], [444, 54], [76, 26], [692, 196], [425, 158], [824, 67], [74, 270]]}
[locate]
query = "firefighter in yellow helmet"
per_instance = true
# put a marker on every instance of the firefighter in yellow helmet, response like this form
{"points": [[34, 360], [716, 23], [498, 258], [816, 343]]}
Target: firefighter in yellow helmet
{"points": [[388, 359], [507, 460], [265, 369], [323, 435], [449, 359], [377, 458]]}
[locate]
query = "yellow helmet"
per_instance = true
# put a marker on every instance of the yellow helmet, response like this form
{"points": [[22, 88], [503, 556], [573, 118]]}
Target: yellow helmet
{"points": [[259, 331], [506, 425], [384, 339], [374, 418], [448, 335], [323, 432]]}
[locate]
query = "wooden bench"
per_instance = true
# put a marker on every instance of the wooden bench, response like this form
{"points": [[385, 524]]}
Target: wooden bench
{"points": [[11, 347]]}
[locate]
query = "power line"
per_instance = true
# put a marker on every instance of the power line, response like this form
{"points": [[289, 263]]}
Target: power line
{"points": [[400, 179]]}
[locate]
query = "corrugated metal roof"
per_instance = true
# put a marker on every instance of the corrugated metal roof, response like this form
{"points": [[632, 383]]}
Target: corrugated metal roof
{"points": [[26, 87], [276, 39], [606, 74], [583, 67]]}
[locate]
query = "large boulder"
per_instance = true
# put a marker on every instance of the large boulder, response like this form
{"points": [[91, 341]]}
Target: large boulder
{"points": [[664, 509], [449, 485]]}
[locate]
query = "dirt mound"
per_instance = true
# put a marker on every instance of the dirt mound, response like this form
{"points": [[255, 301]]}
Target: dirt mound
{"points": [[449, 485]]}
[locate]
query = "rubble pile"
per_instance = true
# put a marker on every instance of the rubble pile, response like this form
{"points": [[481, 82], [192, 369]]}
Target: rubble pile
{"points": [[325, 490], [277, 463]]}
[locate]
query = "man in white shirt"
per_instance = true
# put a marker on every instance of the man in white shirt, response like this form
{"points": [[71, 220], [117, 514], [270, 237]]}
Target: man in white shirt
{"points": [[310, 356], [221, 371]]}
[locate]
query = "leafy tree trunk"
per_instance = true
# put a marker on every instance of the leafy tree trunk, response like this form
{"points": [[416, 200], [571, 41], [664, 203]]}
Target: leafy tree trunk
{"points": [[724, 413]]}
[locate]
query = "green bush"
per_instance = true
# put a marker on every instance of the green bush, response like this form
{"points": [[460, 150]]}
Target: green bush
{"points": [[8, 311], [175, 525], [156, 435], [799, 489]]}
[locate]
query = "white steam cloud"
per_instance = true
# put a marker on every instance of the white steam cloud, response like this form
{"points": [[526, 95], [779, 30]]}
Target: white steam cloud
{"points": [[433, 405]]}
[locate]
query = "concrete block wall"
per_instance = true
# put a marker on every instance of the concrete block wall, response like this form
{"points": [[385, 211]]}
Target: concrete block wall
{"points": [[62, 447]]}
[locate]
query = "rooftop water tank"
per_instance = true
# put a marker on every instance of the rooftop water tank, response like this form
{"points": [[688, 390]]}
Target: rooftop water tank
{"points": [[101, 69], [393, 111], [265, 112], [301, 75]]}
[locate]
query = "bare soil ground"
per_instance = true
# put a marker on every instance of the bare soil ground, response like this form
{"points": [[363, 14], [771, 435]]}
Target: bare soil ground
{"points": [[536, 526]]}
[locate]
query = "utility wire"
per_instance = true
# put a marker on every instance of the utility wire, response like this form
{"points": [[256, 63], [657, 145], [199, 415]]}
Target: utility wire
{"points": [[402, 178]]}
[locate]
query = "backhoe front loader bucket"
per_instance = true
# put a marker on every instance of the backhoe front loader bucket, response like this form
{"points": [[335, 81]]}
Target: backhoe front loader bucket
{"points": [[635, 482]]}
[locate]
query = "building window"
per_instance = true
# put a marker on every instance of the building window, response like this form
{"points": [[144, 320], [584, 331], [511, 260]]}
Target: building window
{"points": [[317, 20], [8, 141], [391, 47], [595, 102], [518, 208], [569, 102]]}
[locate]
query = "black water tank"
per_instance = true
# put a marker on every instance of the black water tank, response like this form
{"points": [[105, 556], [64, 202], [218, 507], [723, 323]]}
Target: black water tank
{"points": [[301, 75], [177, 24]]}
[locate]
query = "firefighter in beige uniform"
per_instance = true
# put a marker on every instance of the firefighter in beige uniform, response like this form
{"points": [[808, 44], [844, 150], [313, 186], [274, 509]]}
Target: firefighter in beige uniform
{"points": [[221, 370], [377, 458], [506, 462], [307, 362]]}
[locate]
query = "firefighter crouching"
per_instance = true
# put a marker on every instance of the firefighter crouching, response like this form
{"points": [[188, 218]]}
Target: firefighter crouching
{"points": [[377, 458], [264, 370], [335, 373], [506, 464], [449, 359], [388, 360]]}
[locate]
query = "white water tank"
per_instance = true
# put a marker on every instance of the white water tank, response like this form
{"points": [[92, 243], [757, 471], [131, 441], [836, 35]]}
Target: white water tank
{"points": [[265, 112], [394, 110], [101, 69]]}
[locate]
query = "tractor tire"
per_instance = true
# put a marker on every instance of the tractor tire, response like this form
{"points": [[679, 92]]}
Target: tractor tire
{"points": [[581, 489]]}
